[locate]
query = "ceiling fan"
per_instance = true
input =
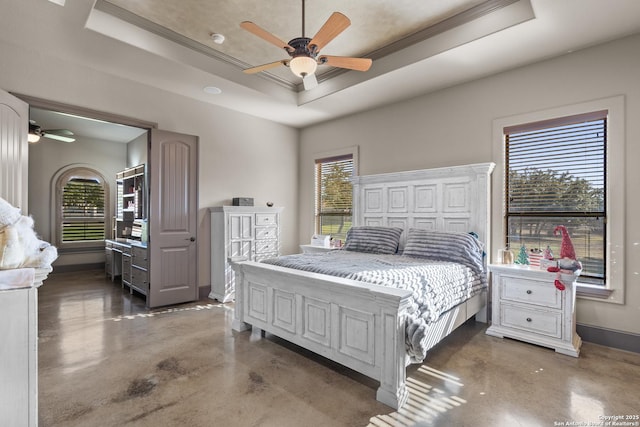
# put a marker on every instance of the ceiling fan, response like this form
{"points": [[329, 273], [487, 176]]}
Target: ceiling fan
{"points": [[36, 132], [304, 50]]}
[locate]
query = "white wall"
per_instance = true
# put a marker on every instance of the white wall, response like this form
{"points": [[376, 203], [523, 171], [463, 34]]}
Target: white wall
{"points": [[454, 126], [137, 151], [240, 155]]}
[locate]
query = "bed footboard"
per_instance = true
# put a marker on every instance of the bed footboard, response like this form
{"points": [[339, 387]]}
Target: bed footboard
{"points": [[358, 325]]}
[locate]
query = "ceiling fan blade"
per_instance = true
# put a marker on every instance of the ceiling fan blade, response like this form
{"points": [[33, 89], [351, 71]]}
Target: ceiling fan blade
{"points": [[336, 24], [264, 67], [265, 35], [64, 132], [309, 81], [358, 64], [61, 138]]}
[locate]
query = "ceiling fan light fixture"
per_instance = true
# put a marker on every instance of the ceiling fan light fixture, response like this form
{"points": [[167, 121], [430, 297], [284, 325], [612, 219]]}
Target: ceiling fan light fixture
{"points": [[34, 133], [303, 65]]}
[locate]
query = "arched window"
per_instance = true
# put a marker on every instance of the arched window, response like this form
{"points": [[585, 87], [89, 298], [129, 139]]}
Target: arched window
{"points": [[81, 207]]}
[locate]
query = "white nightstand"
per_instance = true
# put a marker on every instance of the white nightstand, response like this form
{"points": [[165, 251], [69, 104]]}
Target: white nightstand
{"points": [[307, 249], [527, 306]]}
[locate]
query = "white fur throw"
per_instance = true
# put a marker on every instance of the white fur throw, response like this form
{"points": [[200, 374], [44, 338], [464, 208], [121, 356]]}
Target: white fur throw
{"points": [[20, 247]]}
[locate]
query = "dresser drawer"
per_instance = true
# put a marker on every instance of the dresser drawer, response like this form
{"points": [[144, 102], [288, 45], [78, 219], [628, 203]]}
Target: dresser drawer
{"points": [[266, 246], [139, 280], [542, 322], [265, 219], [529, 291], [266, 233], [139, 256], [126, 268], [266, 255]]}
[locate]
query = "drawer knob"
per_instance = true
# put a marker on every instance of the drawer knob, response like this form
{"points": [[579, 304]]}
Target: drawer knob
{"points": [[528, 319], [528, 291]]}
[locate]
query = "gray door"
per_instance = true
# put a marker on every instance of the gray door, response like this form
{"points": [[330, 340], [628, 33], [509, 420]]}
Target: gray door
{"points": [[14, 150], [173, 214]]}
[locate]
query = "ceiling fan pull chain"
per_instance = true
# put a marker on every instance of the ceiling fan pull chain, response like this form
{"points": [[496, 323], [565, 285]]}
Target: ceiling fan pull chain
{"points": [[302, 18]]}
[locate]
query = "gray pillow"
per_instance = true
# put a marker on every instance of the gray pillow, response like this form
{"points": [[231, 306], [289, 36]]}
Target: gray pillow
{"points": [[462, 248], [373, 239]]}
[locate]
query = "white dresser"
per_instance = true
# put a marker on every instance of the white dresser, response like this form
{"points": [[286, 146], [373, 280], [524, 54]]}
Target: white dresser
{"points": [[527, 306], [246, 232]]}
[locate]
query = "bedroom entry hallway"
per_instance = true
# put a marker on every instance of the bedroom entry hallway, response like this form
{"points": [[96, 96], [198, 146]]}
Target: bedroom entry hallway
{"points": [[107, 360]]}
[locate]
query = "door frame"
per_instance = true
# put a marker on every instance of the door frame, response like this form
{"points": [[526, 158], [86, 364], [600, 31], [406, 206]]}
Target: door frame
{"points": [[85, 112]]}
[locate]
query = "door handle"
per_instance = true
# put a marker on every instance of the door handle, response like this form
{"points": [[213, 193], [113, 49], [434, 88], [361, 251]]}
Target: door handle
{"points": [[192, 239]]}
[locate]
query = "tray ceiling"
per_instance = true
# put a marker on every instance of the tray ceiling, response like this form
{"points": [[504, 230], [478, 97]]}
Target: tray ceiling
{"points": [[378, 27]]}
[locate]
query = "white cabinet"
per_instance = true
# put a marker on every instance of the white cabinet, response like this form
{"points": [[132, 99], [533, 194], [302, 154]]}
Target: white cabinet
{"points": [[247, 232], [527, 306], [19, 349]]}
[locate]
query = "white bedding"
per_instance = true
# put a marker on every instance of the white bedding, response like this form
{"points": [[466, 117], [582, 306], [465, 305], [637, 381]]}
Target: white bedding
{"points": [[437, 286]]}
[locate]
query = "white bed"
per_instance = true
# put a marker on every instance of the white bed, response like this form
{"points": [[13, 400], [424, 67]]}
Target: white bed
{"points": [[360, 325]]}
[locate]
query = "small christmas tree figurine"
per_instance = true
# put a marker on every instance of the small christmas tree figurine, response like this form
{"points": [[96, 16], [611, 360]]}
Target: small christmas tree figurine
{"points": [[522, 258]]}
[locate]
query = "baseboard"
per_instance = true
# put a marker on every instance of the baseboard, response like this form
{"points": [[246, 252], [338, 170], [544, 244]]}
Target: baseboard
{"points": [[203, 292], [610, 338], [77, 267]]}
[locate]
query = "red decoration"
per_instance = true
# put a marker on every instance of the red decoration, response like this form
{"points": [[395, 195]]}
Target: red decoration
{"points": [[566, 247], [553, 269], [559, 285]]}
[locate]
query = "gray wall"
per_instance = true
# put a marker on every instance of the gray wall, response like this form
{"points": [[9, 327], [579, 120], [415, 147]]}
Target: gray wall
{"points": [[240, 155], [46, 158], [454, 126]]}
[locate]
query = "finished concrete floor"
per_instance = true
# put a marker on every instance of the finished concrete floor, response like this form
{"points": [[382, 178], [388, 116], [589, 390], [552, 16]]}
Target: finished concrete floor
{"points": [[106, 360]]}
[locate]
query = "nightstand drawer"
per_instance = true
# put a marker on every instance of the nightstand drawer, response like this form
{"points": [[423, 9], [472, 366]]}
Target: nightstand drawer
{"points": [[528, 291], [266, 233], [547, 323]]}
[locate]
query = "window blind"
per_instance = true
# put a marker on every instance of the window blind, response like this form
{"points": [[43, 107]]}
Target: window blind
{"points": [[83, 210], [334, 197], [333, 185], [558, 169], [556, 174]]}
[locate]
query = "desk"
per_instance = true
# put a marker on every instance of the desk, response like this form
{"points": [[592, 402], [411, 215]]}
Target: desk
{"points": [[128, 259]]}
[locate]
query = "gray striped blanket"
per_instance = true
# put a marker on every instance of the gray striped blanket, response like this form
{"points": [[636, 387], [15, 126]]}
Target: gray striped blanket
{"points": [[437, 286]]}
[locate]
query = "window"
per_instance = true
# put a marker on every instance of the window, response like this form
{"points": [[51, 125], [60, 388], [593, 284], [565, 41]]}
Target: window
{"points": [[556, 175], [614, 245], [81, 204], [334, 195]]}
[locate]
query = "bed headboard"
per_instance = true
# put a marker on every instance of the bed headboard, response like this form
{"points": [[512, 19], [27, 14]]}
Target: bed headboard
{"points": [[455, 198]]}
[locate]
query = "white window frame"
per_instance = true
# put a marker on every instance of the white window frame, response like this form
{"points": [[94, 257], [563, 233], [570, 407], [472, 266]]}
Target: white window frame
{"points": [[58, 182], [353, 151], [614, 289]]}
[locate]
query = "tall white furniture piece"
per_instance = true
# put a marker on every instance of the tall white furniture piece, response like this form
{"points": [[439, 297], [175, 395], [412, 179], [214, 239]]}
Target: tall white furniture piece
{"points": [[19, 348], [527, 306], [240, 232]]}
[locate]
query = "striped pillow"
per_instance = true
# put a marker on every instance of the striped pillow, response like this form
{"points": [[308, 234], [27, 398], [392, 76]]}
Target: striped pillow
{"points": [[373, 239], [451, 246]]}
